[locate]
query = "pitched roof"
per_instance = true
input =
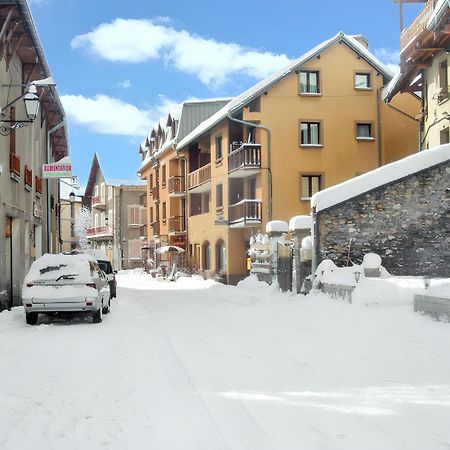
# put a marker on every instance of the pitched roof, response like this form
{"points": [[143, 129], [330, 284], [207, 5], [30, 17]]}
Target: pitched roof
{"points": [[246, 97]]}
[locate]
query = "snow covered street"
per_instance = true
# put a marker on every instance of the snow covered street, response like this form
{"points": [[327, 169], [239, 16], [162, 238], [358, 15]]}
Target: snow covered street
{"points": [[199, 365]]}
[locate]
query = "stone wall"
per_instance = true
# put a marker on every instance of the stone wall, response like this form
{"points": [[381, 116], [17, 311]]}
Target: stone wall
{"points": [[406, 222]]}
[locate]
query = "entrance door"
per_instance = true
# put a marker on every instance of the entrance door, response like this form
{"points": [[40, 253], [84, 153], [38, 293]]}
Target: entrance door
{"points": [[284, 267]]}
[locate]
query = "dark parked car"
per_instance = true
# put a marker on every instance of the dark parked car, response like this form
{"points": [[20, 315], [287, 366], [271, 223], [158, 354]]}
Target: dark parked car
{"points": [[105, 265]]}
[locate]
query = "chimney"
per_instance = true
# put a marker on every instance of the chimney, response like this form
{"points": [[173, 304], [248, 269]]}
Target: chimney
{"points": [[362, 40]]}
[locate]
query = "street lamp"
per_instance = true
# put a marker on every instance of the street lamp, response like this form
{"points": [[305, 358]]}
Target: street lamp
{"points": [[31, 101]]}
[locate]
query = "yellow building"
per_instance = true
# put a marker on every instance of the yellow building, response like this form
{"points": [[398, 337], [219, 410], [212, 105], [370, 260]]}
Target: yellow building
{"points": [[424, 62], [315, 123]]}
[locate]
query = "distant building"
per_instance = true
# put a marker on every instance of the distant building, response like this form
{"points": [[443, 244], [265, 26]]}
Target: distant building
{"points": [[118, 209], [29, 205], [68, 213]]}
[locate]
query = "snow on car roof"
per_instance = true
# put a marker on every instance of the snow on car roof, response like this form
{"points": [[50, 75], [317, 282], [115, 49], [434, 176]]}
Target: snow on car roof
{"points": [[50, 267]]}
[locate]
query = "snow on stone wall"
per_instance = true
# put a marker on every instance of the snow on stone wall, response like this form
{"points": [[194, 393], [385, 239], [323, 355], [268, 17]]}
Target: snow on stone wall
{"points": [[406, 222]]}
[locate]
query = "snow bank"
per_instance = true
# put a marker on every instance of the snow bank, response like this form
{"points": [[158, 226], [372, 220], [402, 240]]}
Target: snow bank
{"points": [[381, 176], [300, 223]]}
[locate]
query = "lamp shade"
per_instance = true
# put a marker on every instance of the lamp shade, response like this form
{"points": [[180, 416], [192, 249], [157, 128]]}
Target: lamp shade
{"points": [[72, 197], [31, 100]]}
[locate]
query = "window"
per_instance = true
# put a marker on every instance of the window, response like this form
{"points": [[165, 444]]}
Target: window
{"points": [[310, 184], [134, 249], [444, 136], [219, 196], [362, 81], [255, 105], [133, 215], [364, 131], [206, 256], [151, 181], [110, 192], [164, 212], [443, 83], [309, 82], [151, 215], [310, 133], [102, 192], [218, 147], [221, 256]]}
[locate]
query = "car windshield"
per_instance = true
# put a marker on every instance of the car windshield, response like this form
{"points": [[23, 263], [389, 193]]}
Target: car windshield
{"points": [[105, 266]]}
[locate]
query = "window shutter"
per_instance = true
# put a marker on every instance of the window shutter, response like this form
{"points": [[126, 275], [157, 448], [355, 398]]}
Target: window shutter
{"points": [[143, 211], [134, 249]]}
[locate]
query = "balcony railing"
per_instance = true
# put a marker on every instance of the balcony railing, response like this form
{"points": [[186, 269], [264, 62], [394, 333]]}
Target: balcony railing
{"points": [[418, 26], [246, 212], [176, 224], [177, 186], [98, 201], [14, 166], [200, 177], [38, 181], [155, 193], [247, 157], [28, 179], [99, 231], [155, 228]]}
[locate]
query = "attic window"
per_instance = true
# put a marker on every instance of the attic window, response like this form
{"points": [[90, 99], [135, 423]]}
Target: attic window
{"points": [[363, 80], [255, 105], [309, 82]]}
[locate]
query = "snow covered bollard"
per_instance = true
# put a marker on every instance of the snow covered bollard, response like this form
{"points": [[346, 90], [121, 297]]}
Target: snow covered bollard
{"points": [[371, 265]]}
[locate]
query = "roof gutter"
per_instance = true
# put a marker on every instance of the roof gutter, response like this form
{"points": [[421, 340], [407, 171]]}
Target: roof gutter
{"points": [[269, 156]]}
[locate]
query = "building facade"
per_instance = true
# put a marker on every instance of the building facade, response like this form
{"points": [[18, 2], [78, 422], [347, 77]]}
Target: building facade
{"points": [[68, 213], [29, 204], [424, 66], [118, 212], [313, 124]]}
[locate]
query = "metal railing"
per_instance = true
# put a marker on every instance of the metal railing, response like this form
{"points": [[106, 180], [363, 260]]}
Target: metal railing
{"points": [[176, 224], [98, 200], [155, 193], [245, 211], [245, 156], [155, 228], [99, 231], [199, 176], [418, 26], [176, 185]]}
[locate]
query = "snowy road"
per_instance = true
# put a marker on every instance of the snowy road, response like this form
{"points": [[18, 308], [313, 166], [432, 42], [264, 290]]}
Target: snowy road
{"points": [[195, 365]]}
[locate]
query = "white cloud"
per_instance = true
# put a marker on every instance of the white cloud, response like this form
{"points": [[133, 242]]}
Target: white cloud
{"points": [[125, 84], [213, 62], [107, 115], [390, 58]]}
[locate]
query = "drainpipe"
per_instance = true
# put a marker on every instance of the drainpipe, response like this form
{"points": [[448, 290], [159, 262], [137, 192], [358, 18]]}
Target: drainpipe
{"points": [[269, 144], [186, 196], [49, 157], [379, 147]]}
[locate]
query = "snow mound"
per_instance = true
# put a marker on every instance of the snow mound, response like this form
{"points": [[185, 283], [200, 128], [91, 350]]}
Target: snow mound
{"points": [[300, 223], [276, 226], [371, 261]]}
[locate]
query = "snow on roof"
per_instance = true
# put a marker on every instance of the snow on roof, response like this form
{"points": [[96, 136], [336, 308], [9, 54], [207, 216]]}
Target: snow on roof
{"points": [[276, 226], [241, 100], [300, 223], [381, 176]]}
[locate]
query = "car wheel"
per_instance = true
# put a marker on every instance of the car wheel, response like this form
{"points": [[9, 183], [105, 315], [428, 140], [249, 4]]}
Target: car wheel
{"points": [[98, 315], [106, 309], [31, 318]]}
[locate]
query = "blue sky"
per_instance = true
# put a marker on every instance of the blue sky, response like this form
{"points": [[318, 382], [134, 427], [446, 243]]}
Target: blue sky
{"points": [[119, 66]]}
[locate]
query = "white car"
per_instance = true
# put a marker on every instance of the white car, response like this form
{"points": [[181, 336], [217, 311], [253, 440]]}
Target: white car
{"points": [[65, 283]]}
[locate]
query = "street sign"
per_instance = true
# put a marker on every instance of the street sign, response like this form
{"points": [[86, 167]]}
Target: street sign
{"points": [[57, 170]]}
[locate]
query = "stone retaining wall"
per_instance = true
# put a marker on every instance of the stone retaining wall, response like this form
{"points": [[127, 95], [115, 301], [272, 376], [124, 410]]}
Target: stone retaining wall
{"points": [[406, 222]]}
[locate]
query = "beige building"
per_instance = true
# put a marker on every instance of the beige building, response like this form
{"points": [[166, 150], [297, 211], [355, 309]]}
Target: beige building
{"points": [[118, 209], [424, 64], [29, 204], [315, 123], [68, 213]]}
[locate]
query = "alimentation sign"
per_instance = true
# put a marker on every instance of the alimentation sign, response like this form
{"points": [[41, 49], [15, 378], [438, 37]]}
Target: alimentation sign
{"points": [[57, 170]]}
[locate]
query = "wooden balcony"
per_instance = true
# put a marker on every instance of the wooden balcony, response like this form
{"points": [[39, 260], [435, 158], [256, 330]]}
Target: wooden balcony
{"points": [[176, 225], [98, 202], [200, 180], [244, 161], [417, 27], [155, 228], [155, 193], [177, 186], [28, 179], [99, 232], [38, 181], [14, 166], [245, 213]]}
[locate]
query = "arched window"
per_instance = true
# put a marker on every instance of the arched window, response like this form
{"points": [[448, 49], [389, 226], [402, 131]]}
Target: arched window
{"points": [[221, 260], [206, 256]]}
